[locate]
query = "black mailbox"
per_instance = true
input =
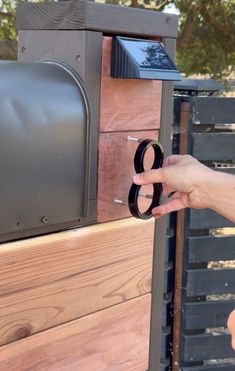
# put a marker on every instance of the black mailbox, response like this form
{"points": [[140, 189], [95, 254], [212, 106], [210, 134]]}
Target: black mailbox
{"points": [[44, 148]]}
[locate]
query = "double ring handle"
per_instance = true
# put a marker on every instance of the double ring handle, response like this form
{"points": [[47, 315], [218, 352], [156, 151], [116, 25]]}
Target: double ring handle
{"points": [[139, 168]]}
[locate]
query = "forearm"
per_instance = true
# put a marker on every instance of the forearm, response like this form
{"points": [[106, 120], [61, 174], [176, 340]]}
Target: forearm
{"points": [[221, 194]]}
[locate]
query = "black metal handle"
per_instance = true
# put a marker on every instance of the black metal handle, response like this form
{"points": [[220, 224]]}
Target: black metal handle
{"points": [[139, 168]]}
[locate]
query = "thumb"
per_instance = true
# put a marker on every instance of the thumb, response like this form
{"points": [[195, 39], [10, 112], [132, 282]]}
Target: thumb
{"points": [[149, 177]]}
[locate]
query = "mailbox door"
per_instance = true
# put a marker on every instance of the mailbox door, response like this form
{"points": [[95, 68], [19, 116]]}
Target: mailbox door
{"points": [[44, 124]]}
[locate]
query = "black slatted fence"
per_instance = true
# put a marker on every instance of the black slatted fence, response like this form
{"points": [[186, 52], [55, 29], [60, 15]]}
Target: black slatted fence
{"points": [[208, 274]]}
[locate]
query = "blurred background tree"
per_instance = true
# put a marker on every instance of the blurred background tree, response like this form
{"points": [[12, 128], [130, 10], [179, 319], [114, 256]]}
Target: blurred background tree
{"points": [[206, 43]]}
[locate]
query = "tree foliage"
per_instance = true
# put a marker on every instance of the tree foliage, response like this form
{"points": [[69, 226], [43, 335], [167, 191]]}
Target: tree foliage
{"points": [[206, 42], [207, 37]]}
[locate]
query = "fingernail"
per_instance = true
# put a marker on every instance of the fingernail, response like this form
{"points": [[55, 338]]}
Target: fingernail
{"points": [[157, 216]]}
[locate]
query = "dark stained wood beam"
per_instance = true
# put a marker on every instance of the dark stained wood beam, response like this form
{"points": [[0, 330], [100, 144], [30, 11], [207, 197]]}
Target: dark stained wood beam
{"points": [[88, 15]]}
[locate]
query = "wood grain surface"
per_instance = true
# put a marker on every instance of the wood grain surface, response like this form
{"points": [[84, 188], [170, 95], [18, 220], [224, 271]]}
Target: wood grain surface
{"points": [[115, 171], [53, 279], [115, 339], [89, 15], [127, 104]]}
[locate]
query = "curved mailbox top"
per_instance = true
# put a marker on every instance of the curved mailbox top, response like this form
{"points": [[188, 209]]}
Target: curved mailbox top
{"points": [[44, 149]]}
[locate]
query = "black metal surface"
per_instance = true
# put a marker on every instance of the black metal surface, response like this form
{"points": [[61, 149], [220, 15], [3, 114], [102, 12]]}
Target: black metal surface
{"points": [[212, 110], [213, 146], [202, 316], [141, 59], [139, 168], [44, 149], [64, 46], [207, 346], [190, 86]]}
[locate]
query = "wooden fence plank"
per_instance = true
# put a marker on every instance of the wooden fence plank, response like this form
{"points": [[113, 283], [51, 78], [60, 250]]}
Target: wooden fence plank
{"points": [[49, 280], [213, 146], [203, 347], [213, 110], [207, 219], [143, 109], [211, 248], [34, 310], [202, 282], [39, 261], [115, 171], [114, 339], [75, 15], [207, 314]]}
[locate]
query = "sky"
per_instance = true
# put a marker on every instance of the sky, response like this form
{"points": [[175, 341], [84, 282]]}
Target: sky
{"points": [[171, 9]]}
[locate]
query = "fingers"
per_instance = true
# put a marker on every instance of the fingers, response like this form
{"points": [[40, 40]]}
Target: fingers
{"points": [[231, 327], [176, 202], [171, 160], [157, 175], [166, 189], [149, 177], [173, 205]]}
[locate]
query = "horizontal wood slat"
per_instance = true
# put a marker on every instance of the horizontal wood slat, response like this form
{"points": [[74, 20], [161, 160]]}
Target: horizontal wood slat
{"points": [[113, 339], [213, 110], [206, 219], [213, 146], [38, 261], [217, 367], [203, 347], [66, 276], [211, 248], [32, 311], [207, 314], [75, 15], [127, 104], [115, 171], [201, 282]]}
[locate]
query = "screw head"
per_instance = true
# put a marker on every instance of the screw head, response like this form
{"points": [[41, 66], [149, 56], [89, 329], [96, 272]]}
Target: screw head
{"points": [[44, 220], [78, 57], [23, 49]]}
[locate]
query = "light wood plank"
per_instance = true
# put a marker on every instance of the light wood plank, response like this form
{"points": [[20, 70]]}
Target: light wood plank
{"points": [[31, 311], [106, 268], [115, 339], [38, 261], [127, 104], [115, 171]]}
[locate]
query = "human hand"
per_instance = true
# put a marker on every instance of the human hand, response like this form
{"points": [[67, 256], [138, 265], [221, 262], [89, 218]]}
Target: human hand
{"points": [[231, 327], [185, 176]]}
